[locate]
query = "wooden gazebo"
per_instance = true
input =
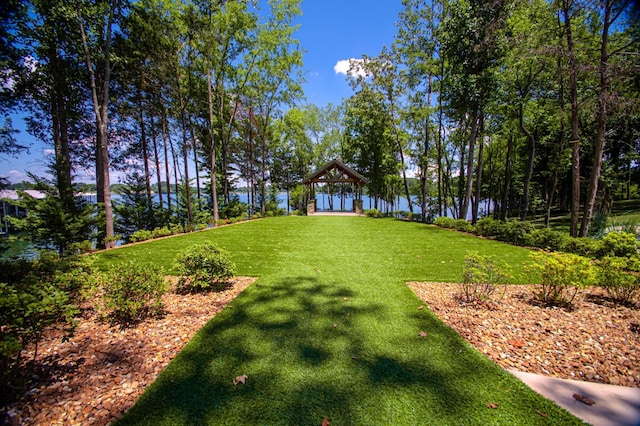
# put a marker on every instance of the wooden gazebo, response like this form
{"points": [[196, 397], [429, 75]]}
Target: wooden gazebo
{"points": [[335, 172]]}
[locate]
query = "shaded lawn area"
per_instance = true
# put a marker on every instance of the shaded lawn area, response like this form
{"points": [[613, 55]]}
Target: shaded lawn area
{"points": [[330, 330]]}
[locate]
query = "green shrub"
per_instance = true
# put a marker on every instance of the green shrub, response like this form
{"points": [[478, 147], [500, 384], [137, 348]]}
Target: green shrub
{"points": [[256, 216], [142, 235], [203, 266], [463, 226], [131, 292], [176, 228], [561, 276], [35, 295], [586, 247], [481, 276], [80, 247], [445, 222], [544, 238], [514, 232], [621, 244], [160, 232], [373, 213], [487, 226], [620, 277]]}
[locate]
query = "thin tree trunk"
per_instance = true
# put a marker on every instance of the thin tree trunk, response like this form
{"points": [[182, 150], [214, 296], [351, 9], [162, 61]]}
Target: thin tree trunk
{"points": [[575, 133], [476, 201], [532, 157], [212, 156], [592, 189], [470, 158], [157, 160], [101, 110], [145, 151], [165, 141], [507, 179], [185, 153], [195, 158]]}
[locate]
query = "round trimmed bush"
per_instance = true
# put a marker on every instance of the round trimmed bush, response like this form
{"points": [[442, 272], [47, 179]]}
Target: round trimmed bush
{"points": [[203, 267]]}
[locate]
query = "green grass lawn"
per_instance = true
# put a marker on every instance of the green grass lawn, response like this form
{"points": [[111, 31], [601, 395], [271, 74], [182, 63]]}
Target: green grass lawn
{"points": [[330, 330]]}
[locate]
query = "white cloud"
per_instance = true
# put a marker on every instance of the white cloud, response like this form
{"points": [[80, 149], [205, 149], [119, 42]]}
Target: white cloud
{"points": [[17, 176], [352, 67], [48, 151]]}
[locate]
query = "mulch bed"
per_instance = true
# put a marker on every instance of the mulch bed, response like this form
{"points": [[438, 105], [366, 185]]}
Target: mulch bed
{"points": [[102, 370], [595, 341], [98, 374]]}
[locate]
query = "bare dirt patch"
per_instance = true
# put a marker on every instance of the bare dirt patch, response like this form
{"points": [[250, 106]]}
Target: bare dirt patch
{"points": [[596, 341], [102, 370]]}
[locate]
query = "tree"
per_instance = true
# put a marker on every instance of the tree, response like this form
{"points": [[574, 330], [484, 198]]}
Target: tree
{"points": [[275, 79], [96, 24], [474, 45], [368, 145]]}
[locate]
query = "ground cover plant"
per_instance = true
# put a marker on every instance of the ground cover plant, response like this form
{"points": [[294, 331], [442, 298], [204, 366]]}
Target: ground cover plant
{"points": [[331, 331]]}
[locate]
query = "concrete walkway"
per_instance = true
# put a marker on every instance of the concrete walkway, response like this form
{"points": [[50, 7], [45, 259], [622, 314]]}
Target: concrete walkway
{"points": [[614, 405]]}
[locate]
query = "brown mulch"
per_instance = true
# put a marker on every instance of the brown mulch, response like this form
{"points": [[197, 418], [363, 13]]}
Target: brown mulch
{"points": [[595, 341], [102, 370]]}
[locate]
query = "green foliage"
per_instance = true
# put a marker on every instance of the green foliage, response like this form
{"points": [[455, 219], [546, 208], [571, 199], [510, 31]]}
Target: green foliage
{"points": [[487, 226], [131, 292], [141, 235], [373, 213], [50, 222], [445, 222], [586, 247], [136, 211], [620, 244], [481, 275], [620, 277], [463, 226], [233, 208], [514, 232], [203, 266], [561, 275], [160, 232], [36, 295], [544, 238]]}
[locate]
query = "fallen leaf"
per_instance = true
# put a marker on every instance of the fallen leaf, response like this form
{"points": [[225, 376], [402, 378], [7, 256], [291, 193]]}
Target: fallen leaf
{"points": [[423, 334], [420, 307], [541, 414], [517, 343], [240, 379], [335, 325], [492, 405], [584, 399], [346, 298], [325, 422]]}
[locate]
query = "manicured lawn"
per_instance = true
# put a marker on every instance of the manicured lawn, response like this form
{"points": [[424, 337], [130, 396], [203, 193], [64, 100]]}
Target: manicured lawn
{"points": [[330, 330]]}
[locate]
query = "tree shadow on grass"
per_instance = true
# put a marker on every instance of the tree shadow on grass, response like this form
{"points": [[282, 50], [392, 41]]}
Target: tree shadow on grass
{"points": [[308, 354]]}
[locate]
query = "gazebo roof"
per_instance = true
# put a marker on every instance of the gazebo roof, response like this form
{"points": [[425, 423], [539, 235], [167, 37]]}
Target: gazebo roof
{"points": [[336, 171]]}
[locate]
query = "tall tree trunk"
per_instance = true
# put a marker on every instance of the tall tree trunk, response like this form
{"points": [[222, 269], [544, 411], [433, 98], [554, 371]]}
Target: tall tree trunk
{"points": [[424, 166], [212, 155], [470, 158], [532, 158], [100, 98], [185, 153], [508, 167], [156, 160], [165, 140], [476, 201], [195, 158], [575, 133], [592, 189], [145, 151]]}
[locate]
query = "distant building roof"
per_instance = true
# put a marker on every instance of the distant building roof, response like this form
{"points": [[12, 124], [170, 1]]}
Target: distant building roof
{"points": [[11, 194]]}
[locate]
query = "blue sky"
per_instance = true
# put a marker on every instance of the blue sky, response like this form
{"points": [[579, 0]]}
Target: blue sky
{"points": [[330, 31]]}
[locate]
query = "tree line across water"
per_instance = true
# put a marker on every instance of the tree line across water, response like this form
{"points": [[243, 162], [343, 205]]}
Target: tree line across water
{"points": [[532, 105]]}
